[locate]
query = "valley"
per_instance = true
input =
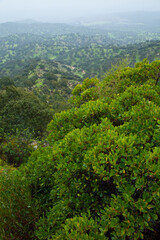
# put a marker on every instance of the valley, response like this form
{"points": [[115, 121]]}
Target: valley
{"points": [[80, 129]]}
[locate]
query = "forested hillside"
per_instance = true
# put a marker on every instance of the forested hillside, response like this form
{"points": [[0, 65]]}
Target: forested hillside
{"points": [[51, 81], [86, 55], [43, 28], [97, 175], [51, 66], [79, 130]]}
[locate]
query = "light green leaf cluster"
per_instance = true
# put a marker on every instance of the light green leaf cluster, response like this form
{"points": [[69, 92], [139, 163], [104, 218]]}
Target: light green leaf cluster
{"points": [[99, 178]]}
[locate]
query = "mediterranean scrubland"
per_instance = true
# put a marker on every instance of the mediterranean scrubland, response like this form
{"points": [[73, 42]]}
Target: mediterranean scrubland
{"points": [[96, 171]]}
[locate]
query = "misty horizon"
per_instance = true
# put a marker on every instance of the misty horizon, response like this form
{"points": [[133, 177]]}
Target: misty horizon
{"points": [[113, 17], [70, 11]]}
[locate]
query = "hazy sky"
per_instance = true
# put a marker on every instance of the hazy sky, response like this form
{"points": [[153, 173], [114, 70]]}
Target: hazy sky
{"points": [[59, 10]]}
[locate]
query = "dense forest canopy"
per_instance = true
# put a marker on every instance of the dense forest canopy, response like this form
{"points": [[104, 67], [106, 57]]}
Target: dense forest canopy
{"points": [[93, 173], [98, 175], [51, 66], [88, 55]]}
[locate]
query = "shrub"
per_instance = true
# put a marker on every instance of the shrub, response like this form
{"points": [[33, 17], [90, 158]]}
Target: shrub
{"points": [[15, 149], [17, 213], [103, 159]]}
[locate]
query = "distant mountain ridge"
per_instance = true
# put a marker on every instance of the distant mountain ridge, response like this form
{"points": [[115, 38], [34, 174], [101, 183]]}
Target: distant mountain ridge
{"points": [[131, 18], [39, 28], [147, 21]]}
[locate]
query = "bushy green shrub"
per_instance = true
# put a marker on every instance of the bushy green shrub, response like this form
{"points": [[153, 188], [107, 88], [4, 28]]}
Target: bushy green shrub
{"points": [[103, 159], [79, 228], [16, 149], [21, 109], [85, 92], [17, 213], [39, 172]]}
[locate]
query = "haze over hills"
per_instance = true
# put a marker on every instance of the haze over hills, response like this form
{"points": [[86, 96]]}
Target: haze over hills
{"points": [[39, 28], [130, 18], [129, 21], [71, 10], [93, 173]]}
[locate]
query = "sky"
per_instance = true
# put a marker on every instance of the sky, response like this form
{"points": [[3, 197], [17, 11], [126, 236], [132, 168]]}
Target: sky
{"points": [[64, 10]]}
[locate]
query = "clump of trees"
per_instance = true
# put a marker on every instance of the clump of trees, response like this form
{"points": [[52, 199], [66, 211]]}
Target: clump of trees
{"points": [[23, 118], [21, 109], [17, 213], [99, 176]]}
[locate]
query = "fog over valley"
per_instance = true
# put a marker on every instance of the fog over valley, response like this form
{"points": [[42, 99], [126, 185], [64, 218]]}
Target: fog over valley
{"points": [[71, 10]]}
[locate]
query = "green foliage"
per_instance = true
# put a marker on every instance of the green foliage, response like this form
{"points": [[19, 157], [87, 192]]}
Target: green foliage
{"points": [[89, 55], [17, 213], [16, 149], [97, 174], [39, 172], [142, 72], [23, 110], [79, 228], [5, 82], [88, 114], [84, 92], [99, 178]]}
